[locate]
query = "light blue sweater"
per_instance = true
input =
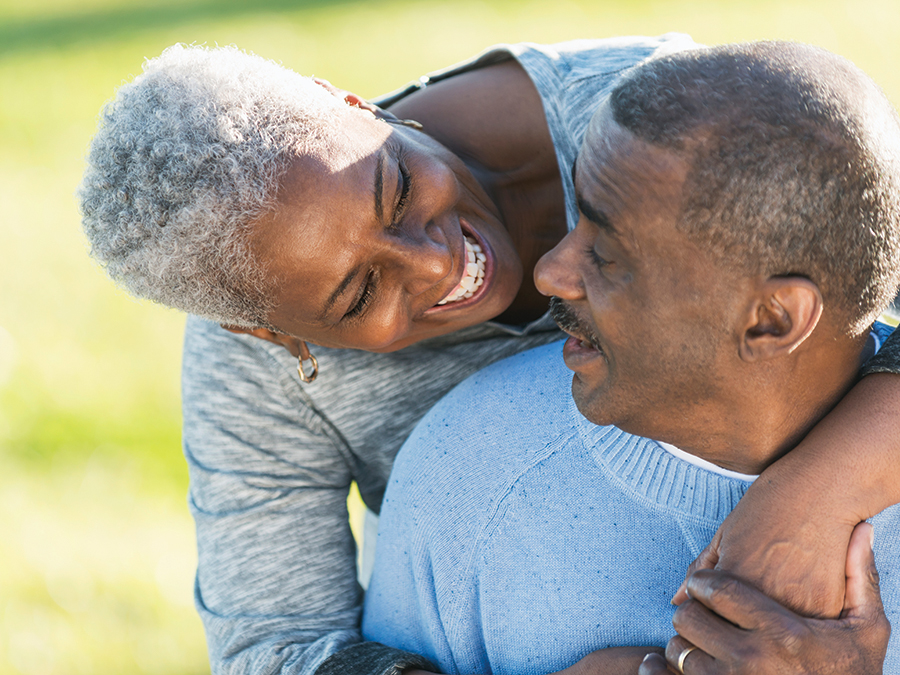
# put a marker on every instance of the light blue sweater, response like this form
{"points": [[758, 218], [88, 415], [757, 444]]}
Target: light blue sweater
{"points": [[516, 536]]}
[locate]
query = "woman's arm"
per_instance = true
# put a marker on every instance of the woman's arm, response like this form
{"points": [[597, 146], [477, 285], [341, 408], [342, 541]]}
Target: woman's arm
{"points": [[276, 582], [789, 533]]}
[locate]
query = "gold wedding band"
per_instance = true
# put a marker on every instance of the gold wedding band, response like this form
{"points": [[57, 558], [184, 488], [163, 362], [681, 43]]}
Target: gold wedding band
{"points": [[682, 656]]}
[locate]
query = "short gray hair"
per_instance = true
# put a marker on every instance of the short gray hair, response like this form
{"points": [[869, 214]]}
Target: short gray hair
{"points": [[186, 157], [795, 157]]}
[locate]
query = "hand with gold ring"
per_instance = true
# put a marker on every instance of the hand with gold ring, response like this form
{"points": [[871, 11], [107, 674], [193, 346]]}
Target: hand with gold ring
{"points": [[654, 664], [679, 664], [728, 626]]}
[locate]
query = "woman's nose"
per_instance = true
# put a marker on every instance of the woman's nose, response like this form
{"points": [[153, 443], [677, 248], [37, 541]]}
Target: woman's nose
{"points": [[557, 272], [426, 257]]}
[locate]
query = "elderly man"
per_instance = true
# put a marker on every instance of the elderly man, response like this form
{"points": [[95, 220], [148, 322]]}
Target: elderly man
{"points": [[739, 234]]}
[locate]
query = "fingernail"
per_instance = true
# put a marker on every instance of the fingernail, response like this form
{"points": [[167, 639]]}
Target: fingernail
{"points": [[645, 658]]}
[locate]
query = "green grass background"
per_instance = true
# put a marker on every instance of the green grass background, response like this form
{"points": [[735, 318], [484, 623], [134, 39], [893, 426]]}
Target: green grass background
{"points": [[96, 546]]}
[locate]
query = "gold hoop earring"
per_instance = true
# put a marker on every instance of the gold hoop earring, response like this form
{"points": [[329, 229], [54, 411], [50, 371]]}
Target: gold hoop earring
{"points": [[306, 356]]}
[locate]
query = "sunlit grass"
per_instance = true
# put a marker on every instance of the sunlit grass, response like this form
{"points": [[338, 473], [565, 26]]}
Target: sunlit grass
{"points": [[96, 570], [96, 546]]}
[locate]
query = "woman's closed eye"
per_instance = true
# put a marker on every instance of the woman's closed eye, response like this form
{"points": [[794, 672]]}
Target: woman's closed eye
{"points": [[365, 297], [404, 184]]}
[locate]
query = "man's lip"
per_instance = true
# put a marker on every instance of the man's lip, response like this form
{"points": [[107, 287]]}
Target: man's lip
{"points": [[467, 230], [577, 336], [578, 353]]}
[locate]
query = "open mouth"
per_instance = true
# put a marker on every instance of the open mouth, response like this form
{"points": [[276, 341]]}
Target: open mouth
{"points": [[586, 345], [568, 321], [473, 276]]}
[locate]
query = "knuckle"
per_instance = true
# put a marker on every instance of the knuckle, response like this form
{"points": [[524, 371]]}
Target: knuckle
{"points": [[793, 638], [723, 588], [747, 653], [874, 578]]}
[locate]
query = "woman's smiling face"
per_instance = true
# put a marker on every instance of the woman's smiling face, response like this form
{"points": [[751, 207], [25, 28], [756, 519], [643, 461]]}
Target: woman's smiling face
{"points": [[367, 241]]}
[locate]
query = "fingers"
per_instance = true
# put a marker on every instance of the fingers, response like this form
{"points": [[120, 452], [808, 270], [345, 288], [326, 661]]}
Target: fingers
{"points": [[685, 657], [713, 636], [862, 600], [735, 600], [733, 623], [654, 664], [862, 597], [707, 560]]}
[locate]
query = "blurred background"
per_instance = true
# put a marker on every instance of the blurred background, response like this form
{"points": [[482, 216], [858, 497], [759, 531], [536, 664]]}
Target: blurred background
{"points": [[96, 544]]}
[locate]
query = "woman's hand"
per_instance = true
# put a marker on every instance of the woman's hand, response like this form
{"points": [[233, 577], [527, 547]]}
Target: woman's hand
{"points": [[735, 629], [789, 534]]}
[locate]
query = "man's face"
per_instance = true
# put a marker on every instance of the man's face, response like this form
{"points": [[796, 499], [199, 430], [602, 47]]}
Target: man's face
{"points": [[647, 309]]}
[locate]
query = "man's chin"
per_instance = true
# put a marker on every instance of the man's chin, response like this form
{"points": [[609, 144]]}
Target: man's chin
{"points": [[592, 401]]}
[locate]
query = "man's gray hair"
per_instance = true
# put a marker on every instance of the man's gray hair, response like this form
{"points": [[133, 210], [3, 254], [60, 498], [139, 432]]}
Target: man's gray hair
{"points": [[795, 157], [186, 157]]}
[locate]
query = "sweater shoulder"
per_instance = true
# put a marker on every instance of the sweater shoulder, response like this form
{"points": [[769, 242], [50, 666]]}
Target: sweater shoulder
{"points": [[489, 428]]}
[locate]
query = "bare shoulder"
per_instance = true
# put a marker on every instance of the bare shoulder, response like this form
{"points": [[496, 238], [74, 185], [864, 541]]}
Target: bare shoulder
{"points": [[493, 115]]}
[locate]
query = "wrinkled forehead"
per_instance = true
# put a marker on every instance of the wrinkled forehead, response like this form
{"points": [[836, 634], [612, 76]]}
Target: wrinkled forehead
{"points": [[601, 135]]}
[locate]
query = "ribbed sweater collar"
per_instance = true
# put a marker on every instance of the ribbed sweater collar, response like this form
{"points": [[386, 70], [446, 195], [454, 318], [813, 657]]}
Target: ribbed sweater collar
{"points": [[644, 469]]}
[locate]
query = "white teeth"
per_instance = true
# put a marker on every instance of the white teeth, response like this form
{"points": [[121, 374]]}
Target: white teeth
{"points": [[474, 276]]}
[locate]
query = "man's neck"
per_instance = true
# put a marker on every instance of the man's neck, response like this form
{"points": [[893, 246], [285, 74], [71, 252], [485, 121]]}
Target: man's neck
{"points": [[771, 411]]}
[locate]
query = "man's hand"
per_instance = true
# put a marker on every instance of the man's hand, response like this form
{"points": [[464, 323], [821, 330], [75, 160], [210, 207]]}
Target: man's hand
{"points": [[788, 563], [738, 630]]}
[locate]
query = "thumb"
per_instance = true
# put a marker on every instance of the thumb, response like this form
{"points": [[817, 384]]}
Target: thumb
{"points": [[707, 560], [862, 597], [654, 664]]}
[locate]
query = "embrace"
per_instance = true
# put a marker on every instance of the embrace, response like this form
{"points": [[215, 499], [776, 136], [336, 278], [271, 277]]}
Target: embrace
{"points": [[717, 230]]}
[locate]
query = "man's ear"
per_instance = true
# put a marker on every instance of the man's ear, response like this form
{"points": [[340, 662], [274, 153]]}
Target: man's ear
{"points": [[292, 344], [783, 314]]}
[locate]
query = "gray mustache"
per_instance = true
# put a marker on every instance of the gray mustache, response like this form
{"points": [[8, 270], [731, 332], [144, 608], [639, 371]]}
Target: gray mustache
{"points": [[565, 318]]}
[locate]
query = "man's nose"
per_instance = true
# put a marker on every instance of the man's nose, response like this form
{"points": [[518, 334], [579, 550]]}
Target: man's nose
{"points": [[558, 271]]}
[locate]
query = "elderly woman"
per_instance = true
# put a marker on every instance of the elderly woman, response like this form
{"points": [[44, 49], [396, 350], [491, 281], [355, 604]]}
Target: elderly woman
{"points": [[285, 209]]}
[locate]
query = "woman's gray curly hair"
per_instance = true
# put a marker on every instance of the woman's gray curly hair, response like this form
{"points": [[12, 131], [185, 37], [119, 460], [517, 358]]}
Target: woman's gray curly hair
{"points": [[186, 158]]}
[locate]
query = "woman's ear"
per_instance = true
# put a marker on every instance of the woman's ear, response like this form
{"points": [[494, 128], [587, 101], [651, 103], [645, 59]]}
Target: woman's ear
{"points": [[783, 314], [292, 344]]}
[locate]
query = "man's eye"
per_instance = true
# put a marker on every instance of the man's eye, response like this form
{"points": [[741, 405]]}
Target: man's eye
{"points": [[596, 259]]}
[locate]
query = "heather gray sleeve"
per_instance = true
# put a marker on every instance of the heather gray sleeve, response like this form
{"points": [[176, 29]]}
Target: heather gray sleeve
{"points": [[276, 586], [887, 360], [373, 657]]}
